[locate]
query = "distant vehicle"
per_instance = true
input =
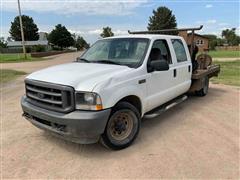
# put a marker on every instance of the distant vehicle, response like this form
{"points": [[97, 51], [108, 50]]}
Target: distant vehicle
{"points": [[72, 48], [119, 80]]}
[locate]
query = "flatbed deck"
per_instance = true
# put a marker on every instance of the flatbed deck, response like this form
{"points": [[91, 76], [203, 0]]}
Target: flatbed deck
{"points": [[211, 71], [199, 76]]}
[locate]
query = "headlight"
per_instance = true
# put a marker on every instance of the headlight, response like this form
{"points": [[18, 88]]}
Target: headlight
{"points": [[88, 101]]}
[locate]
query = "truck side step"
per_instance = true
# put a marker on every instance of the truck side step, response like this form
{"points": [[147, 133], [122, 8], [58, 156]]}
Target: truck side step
{"points": [[159, 110]]}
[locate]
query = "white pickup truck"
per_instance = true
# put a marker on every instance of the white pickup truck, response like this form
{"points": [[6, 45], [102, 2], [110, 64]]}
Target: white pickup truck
{"points": [[105, 93]]}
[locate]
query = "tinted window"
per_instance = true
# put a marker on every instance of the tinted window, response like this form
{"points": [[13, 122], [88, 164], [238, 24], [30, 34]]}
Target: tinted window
{"points": [[164, 50], [179, 50]]}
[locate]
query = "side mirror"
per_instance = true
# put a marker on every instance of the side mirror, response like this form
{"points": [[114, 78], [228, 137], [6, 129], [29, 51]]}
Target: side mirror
{"points": [[159, 65]]}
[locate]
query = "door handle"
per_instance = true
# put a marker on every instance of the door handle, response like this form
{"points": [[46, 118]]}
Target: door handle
{"points": [[141, 81], [189, 68], [174, 73]]}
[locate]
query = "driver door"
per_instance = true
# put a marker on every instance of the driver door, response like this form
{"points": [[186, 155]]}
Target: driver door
{"points": [[160, 86]]}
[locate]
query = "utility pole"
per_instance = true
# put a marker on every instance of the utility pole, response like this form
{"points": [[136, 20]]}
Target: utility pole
{"points": [[22, 33]]}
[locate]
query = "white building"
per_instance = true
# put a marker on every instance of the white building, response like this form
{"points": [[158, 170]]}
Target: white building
{"points": [[42, 41]]}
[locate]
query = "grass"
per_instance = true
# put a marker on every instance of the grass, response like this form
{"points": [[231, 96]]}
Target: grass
{"points": [[6, 58], [224, 54], [229, 74], [8, 75]]}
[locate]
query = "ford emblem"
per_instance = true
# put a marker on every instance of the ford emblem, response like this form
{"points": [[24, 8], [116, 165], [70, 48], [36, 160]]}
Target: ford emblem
{"points": [[40, 95]]}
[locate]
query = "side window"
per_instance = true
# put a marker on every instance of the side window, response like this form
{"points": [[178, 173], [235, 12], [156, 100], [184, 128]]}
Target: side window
{"points": [[179, 50], [161, 50]]}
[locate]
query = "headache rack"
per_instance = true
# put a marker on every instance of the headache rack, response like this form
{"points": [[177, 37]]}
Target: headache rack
{"points": [[171, 30]]}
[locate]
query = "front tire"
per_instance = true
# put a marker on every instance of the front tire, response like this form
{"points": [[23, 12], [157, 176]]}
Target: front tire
{"points": [[122, 127]]}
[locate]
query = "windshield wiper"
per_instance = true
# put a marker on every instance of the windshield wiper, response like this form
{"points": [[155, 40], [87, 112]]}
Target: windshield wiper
{"points": [[83, 59], [107, 62]]}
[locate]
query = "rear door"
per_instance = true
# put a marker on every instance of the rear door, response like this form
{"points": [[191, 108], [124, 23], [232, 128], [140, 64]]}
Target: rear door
{"points": [[183, 66]]}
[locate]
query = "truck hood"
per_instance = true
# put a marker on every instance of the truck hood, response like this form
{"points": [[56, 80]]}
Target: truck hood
{"points": [[81, 76]]}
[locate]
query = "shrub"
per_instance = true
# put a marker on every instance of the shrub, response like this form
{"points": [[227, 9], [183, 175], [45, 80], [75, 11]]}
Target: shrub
{"points": [[28, 49], [39, 48]]}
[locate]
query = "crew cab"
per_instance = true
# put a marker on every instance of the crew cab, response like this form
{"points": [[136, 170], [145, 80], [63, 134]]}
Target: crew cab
{"points": [[104, 94]]}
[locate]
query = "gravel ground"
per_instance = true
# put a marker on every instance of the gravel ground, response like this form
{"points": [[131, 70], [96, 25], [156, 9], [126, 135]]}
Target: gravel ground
{"points": [[33, 66], [196, 139]]}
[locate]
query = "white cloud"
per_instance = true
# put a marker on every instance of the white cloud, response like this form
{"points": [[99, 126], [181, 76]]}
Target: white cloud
{"points": [[208, 6], [211, 21], [120, 32], [91, 34], [76, 31], [94, 7], [4, 31], [95, 31], [223, 24]]}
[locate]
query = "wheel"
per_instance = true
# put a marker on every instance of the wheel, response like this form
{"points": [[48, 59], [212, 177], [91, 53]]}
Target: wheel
{"points": [[204, 90], [122, 127]]}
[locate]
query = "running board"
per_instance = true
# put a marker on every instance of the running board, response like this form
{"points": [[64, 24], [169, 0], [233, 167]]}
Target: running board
{"points": [[159, 110]]}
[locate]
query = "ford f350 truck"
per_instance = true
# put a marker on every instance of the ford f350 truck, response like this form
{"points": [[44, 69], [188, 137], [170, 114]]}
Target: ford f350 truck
{"points": [[105, 93]]}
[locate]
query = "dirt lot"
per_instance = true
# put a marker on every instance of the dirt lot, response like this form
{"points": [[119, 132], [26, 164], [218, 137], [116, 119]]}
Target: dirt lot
{"points": [[33, 66], [196, 139]]}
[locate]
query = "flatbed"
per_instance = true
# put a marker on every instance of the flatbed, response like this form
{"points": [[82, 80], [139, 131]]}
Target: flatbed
{"points": [[211, 71], [199, 76]]}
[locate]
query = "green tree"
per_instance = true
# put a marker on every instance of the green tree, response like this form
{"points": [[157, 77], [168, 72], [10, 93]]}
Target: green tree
{"points": [[61, 37], [30, 29], [80, 43], [162, 18], [74, 36], [107, 32], [213, 42], [231, 37], [3, 43], [220, 41]]}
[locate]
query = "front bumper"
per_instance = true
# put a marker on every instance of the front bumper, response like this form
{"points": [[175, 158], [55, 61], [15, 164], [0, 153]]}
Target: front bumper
{"points": [[82, 127]]}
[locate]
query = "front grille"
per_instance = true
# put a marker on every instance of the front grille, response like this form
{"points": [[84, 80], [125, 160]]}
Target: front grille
{"points": [[50, 96]]}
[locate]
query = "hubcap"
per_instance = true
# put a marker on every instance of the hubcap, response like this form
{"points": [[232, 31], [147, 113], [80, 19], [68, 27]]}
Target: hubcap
{"points": [[121, 126]]}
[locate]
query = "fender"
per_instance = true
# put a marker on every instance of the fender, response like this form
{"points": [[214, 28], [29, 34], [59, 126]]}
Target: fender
{"points": [[121, 90]]}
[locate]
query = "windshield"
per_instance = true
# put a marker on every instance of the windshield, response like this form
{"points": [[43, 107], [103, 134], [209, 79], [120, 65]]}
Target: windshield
{"points": [[121, 51]]}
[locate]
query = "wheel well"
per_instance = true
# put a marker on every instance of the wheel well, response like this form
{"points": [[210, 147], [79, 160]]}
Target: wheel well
{"points": [[134, 100]]}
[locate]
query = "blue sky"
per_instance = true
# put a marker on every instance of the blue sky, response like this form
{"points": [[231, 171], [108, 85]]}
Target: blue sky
{"points": [[87, 18]]}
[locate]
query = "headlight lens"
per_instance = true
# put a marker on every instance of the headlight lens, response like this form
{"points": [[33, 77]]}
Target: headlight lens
{"points": [[88, 101]]}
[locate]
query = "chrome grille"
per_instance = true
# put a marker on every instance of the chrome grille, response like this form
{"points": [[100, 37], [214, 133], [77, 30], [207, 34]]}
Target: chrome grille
{"points": [[50, 96]]}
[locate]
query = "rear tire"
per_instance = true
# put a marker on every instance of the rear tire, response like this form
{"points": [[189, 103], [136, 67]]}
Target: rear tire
{"points": [[203, 92], [122, 127]]}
